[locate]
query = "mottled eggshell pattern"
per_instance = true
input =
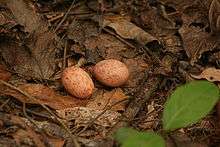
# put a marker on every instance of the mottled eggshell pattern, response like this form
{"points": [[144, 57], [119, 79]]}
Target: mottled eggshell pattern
{"points": [[77, 82], [111, 72]]}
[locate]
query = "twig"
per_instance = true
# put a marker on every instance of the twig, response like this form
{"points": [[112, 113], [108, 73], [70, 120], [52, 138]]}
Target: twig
{"points": [[145, 92], [5, 103], [64, 55], [98, 116], [65, 16], [46, 108]]}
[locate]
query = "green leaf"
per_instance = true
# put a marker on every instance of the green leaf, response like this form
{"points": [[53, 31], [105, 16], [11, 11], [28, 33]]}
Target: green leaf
{"points": [[124, 133], [131, 138], [189, 103]]}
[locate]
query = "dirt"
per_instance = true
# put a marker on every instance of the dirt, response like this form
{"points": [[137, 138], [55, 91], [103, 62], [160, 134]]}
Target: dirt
{"points": [[164, 44]]}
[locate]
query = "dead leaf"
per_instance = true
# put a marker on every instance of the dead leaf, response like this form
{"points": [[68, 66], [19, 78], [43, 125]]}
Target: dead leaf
{"points": [[4, 74], [57, 142], [211, 74], [28, 137], [36, 56], [214, 16], [26, 15], [196, 42], [137, 67], [178, 4], [103, 99], [79, 31], [181, 139], [23, 135], [26, 133], [44, 95], [83, 115], [107, 46], [128, 30]]}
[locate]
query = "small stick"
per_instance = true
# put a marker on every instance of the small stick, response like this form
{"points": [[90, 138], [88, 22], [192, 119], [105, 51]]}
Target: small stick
{"points": [[138, 102], [98, 116], [5, 103], [46, 108]]}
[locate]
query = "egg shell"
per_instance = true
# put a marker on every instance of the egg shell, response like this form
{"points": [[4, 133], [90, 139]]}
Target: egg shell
{"points": [[77, 82], [111, 72]]}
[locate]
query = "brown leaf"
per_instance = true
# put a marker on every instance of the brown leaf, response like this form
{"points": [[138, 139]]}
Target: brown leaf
{"points": [[179, 5], [4, 74], [196, 42], [136, 67], [44, 95], [128, 30], [84, 115], [23, 63], [79, 31], [56, 142], [102, 99], [181, 139], [27, 136], [36, 57], [23, 134], [26, 15], [107, 46], [214, 16], [210, 74]]}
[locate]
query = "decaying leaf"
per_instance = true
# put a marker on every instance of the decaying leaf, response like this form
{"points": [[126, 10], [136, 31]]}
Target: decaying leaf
{"points": [[26, 15], [83, 115], [103, 99], [214, 16], [196, 42], [183, 140], [25, 133], [44, 95], [136, 67], [128, 30], [179, 5], [36, 57], [107, 46], [211, 74], [79, 31], [4, 74]]}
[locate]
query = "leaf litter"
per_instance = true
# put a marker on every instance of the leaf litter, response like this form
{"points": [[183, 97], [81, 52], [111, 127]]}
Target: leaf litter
{"points": [[163, 43]]}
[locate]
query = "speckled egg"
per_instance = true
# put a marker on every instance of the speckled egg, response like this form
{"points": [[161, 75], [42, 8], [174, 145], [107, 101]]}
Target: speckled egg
{"points": [[77, 82], [111, 72]]}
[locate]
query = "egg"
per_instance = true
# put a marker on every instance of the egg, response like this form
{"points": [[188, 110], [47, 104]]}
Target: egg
{"points": [[111, 72], [77, 82]]}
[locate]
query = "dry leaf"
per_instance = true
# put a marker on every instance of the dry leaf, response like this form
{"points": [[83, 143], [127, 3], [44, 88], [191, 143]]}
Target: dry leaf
{"points": [[210, 74], [126, 29], [83, 115], [44, 95], [36, 57], [79, 31], [26, 15], [137, 68], [27, 136], [107, 46], [103, 99], [56, 141], [214, 16], [179, 5], [23, 134], [4, 74], [196, 42]]}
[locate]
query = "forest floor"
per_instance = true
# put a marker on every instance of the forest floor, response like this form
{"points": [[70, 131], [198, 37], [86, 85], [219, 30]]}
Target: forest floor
{"points": [[164, 44]]}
